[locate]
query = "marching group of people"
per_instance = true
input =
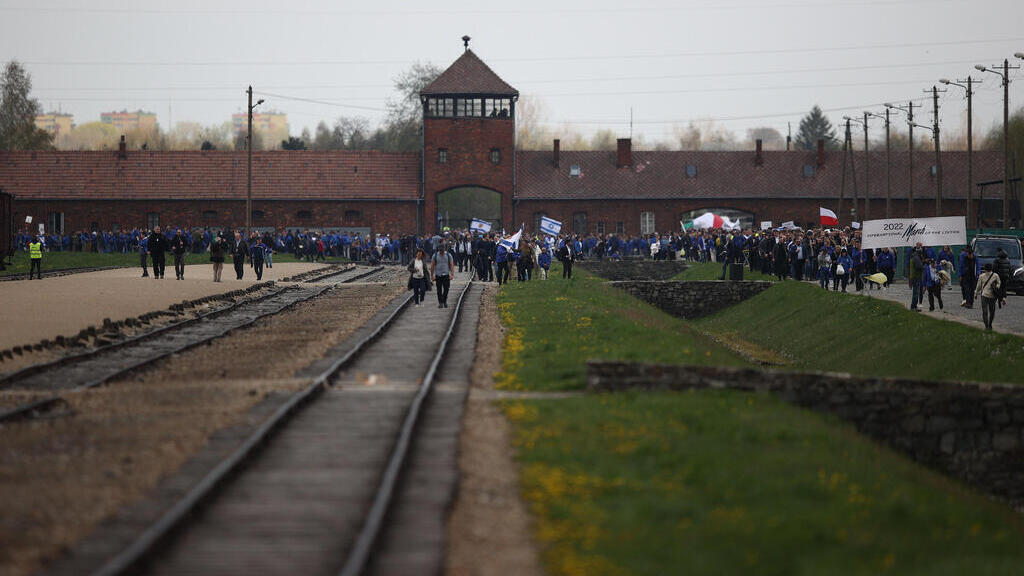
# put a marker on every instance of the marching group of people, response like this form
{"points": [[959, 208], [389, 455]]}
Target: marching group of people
{"points": [[831, 257]]}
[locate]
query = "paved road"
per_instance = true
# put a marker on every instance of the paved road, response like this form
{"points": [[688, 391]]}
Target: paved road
{"points": [[1009, 319]]}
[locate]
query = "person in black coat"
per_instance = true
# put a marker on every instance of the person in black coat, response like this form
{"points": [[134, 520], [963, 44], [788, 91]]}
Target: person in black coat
{"points": [[567, 255], [257, 251], [178, 247], [156, 246], [239, 250]]}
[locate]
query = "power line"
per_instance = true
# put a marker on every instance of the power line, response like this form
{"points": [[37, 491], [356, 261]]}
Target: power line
{"points": [[527, 82], [575, 11], [758, 51]]}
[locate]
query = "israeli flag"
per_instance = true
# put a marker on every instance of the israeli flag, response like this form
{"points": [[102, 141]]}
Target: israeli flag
{"points": [[512, 242], [549, 226], [478, 225]]}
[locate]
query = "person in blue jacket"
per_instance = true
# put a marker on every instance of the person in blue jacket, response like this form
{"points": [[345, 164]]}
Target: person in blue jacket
{"points": [[544, 262], [969, 269], [501, 259], [886, 264], [847, 263], [143, 253]]}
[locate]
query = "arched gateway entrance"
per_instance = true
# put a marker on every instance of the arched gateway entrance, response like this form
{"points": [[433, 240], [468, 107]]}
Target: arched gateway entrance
{"points": [[457, 207]]}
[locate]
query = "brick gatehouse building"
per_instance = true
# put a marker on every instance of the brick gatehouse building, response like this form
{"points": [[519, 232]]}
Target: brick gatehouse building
{"points": [[469, 167]]}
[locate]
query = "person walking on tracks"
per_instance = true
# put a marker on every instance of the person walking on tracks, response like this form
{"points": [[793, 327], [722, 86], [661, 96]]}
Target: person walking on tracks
{"points": [[238, 253], [418, 278], [178, 248], [217, 256], [256, 256], [157, 246], [441, 266], [35, 254]]}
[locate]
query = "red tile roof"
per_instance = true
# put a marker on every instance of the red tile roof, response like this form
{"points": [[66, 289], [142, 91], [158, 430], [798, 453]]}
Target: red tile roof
{"points": [[469, 75], [213, 174], [735, 175]]}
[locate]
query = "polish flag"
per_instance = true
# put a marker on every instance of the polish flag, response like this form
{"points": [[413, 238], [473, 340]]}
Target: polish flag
{"points": [[828, 217]]}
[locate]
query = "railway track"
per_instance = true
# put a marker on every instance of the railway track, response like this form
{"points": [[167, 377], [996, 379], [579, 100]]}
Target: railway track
{"points": [[101, 365], [313, 488]]}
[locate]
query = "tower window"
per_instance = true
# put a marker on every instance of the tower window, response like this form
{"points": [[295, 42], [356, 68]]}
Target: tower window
{"points": [[495, 155], [442, 155]]}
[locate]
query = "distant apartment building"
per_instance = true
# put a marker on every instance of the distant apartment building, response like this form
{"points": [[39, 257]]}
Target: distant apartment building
{"points": [[56, 123], [125, 120], [272, 125]]}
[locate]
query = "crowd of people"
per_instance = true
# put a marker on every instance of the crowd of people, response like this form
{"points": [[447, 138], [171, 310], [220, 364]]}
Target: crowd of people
{"points": [[833, 258]]}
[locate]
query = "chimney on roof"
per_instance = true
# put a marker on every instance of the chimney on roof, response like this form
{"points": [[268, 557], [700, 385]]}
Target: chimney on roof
{"points": [[122, 148], [555, 152], [625, 153], [821, 152], [758, 158]]}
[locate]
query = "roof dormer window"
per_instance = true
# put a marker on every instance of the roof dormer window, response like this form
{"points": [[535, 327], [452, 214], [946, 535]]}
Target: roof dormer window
{"points": [[574, 171]]}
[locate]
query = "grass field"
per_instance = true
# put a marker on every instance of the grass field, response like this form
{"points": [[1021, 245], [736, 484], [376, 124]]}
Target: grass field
{"points": [[718, 482], [556, 325], [821, 330], [65, 260]]}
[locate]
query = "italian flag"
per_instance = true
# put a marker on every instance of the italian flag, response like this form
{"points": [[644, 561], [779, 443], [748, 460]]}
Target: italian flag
{"points": [[828, 217]]}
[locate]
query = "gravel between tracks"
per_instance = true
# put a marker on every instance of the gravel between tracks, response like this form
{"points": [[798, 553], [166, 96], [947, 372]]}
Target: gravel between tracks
{"points": [[60, 477], [490, 529]]}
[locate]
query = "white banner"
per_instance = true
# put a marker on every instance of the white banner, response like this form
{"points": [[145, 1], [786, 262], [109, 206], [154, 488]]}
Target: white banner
{"points": [[767, 225], [896, 232]]}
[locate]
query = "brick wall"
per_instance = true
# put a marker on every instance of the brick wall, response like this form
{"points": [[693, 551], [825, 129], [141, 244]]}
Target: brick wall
{"points": [[634, 269], [388, 217], [974, 432], [469, 142], [692, 299]]}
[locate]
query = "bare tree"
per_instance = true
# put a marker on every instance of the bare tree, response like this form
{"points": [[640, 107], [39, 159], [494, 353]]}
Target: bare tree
{"points": [[771, 139]]}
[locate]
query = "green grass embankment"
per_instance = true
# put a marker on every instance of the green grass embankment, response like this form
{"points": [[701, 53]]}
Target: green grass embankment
{"points": [[555, 326], [826, 331], [718, 482]]}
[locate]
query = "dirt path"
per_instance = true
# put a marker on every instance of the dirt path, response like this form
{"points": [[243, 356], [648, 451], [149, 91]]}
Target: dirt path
{"points": [[489, 532], [36, 309], [59, 478]]}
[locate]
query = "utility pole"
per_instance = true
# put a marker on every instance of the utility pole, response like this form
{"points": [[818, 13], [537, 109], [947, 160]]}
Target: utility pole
{"points": [[248, 185], [910, 188], [968, 85], [1005, 75], [842, 185], [938, 152], [867, 172]]}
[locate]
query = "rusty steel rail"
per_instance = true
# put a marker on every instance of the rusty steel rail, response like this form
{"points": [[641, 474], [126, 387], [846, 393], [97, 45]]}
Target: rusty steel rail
{"points": [[40, 406]]}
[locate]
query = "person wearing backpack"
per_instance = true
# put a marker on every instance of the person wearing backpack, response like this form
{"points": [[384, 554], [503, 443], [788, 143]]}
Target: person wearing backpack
{"points": [[989, 288]]}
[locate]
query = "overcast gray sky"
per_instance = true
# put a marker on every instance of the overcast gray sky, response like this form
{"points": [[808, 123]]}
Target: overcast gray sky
{"points": [[742, 62]]}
